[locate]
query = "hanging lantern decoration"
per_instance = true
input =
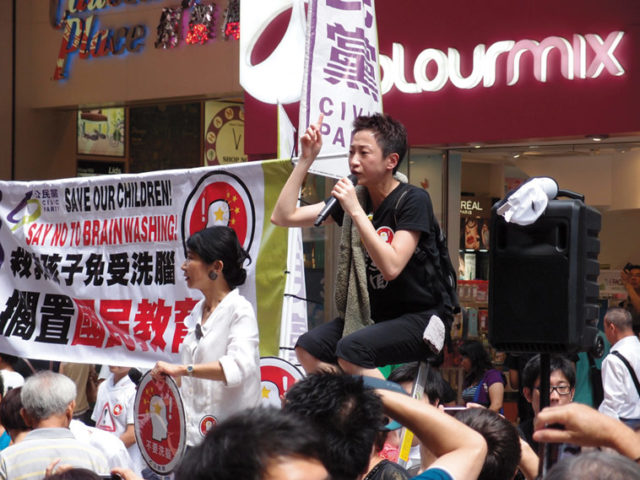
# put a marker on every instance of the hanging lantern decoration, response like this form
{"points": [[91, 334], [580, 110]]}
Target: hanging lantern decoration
{"points": [[201, 24], [169, 28]]}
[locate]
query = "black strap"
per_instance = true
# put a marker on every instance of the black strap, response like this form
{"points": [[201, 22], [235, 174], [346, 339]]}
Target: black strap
{"points": [[631, 371]]}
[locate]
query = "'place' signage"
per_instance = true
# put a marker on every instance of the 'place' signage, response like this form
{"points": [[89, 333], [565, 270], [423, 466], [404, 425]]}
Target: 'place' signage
{"points": [[83, 36]]}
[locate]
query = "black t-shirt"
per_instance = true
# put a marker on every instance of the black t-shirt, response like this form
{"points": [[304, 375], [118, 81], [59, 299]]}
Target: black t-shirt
{"points": [[409, 292]]}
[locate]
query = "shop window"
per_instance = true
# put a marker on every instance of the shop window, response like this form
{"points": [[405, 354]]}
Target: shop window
{"points": [[424, 167], [101, 139], [164, 137]]}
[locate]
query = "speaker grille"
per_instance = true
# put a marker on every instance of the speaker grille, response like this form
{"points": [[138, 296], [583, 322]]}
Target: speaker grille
{"points": [[543, 279]]}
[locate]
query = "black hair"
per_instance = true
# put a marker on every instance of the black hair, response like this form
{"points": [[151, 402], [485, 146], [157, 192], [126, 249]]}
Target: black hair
{"points": [[390, 135], [503, 444], [594, 465], [10, 359], [10, 406], [531, 371], [221, 243], [435, 387], [479, 358], [242, 446], [381, 439], [346, 414], [75, 474]]}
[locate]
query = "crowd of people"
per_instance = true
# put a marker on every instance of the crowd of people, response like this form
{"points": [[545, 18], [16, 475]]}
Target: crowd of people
{"points": [[331, 426], [341, 421]]}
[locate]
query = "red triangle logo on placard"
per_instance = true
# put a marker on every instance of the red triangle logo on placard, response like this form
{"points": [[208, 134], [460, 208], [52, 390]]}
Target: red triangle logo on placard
{"points": [[106, 421]]}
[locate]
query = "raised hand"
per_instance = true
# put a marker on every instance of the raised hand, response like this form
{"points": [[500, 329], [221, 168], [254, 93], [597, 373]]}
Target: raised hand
{"points": [[311, 141], [582, 425]]}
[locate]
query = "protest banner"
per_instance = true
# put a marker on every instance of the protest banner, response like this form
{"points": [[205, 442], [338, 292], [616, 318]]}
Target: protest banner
{"points": [[90, 267]]}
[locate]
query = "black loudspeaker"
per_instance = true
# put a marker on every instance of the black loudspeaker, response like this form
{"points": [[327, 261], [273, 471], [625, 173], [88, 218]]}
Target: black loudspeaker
{"points": [[543, 280]]}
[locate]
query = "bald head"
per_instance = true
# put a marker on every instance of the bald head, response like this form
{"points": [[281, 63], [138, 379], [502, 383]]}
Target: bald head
{"points": [[617, 324], [620, 317]]}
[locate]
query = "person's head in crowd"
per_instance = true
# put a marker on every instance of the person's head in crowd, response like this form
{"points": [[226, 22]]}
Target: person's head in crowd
{"points": [[257, 444], [10, 417], [594, 465], [562, 381], [435, 386], [503, 455], [74, 474], [7, 360], [390, 135], [48, 396], [633, 275], [618, 323], [347, 415], [118, 372], [475, 361], [218, 248]]}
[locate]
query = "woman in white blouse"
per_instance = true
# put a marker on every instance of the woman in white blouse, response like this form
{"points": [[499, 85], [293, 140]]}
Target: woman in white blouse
{"points": [[220, 374]]}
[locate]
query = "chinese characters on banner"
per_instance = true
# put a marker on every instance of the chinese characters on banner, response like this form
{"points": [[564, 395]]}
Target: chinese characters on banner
{"points": [[90, 267], [342, 75]]}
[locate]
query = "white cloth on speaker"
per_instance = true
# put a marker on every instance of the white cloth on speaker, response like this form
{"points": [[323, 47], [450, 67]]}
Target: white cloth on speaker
{"points": [[529, 201]]}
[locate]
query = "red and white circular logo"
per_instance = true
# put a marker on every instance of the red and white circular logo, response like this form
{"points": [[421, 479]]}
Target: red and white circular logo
{"points": [[117, 410], [207, 423], [220, 198], [386, 234], [277, 376], [159, 424]]}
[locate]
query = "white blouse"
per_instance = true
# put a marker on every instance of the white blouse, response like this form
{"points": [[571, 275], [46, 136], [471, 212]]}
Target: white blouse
{"points": [[230, 336]]}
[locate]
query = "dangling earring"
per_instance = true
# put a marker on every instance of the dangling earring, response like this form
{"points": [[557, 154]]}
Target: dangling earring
{"points": [[213, 275]]}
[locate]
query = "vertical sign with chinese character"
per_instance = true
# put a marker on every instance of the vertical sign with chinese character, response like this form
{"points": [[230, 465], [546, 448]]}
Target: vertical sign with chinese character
{"points": [[342, 75]]}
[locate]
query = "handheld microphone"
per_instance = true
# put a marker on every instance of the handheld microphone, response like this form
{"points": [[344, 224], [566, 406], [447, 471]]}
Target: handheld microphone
{"points": [[135, 375], [332, 204]]}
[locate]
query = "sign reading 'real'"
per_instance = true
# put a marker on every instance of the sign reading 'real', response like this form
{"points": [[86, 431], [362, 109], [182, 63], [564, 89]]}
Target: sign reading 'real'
{"points": [[582, 57]]}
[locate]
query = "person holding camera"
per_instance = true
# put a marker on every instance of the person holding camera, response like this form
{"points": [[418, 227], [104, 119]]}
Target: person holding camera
{"points": [[631, 280]]}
